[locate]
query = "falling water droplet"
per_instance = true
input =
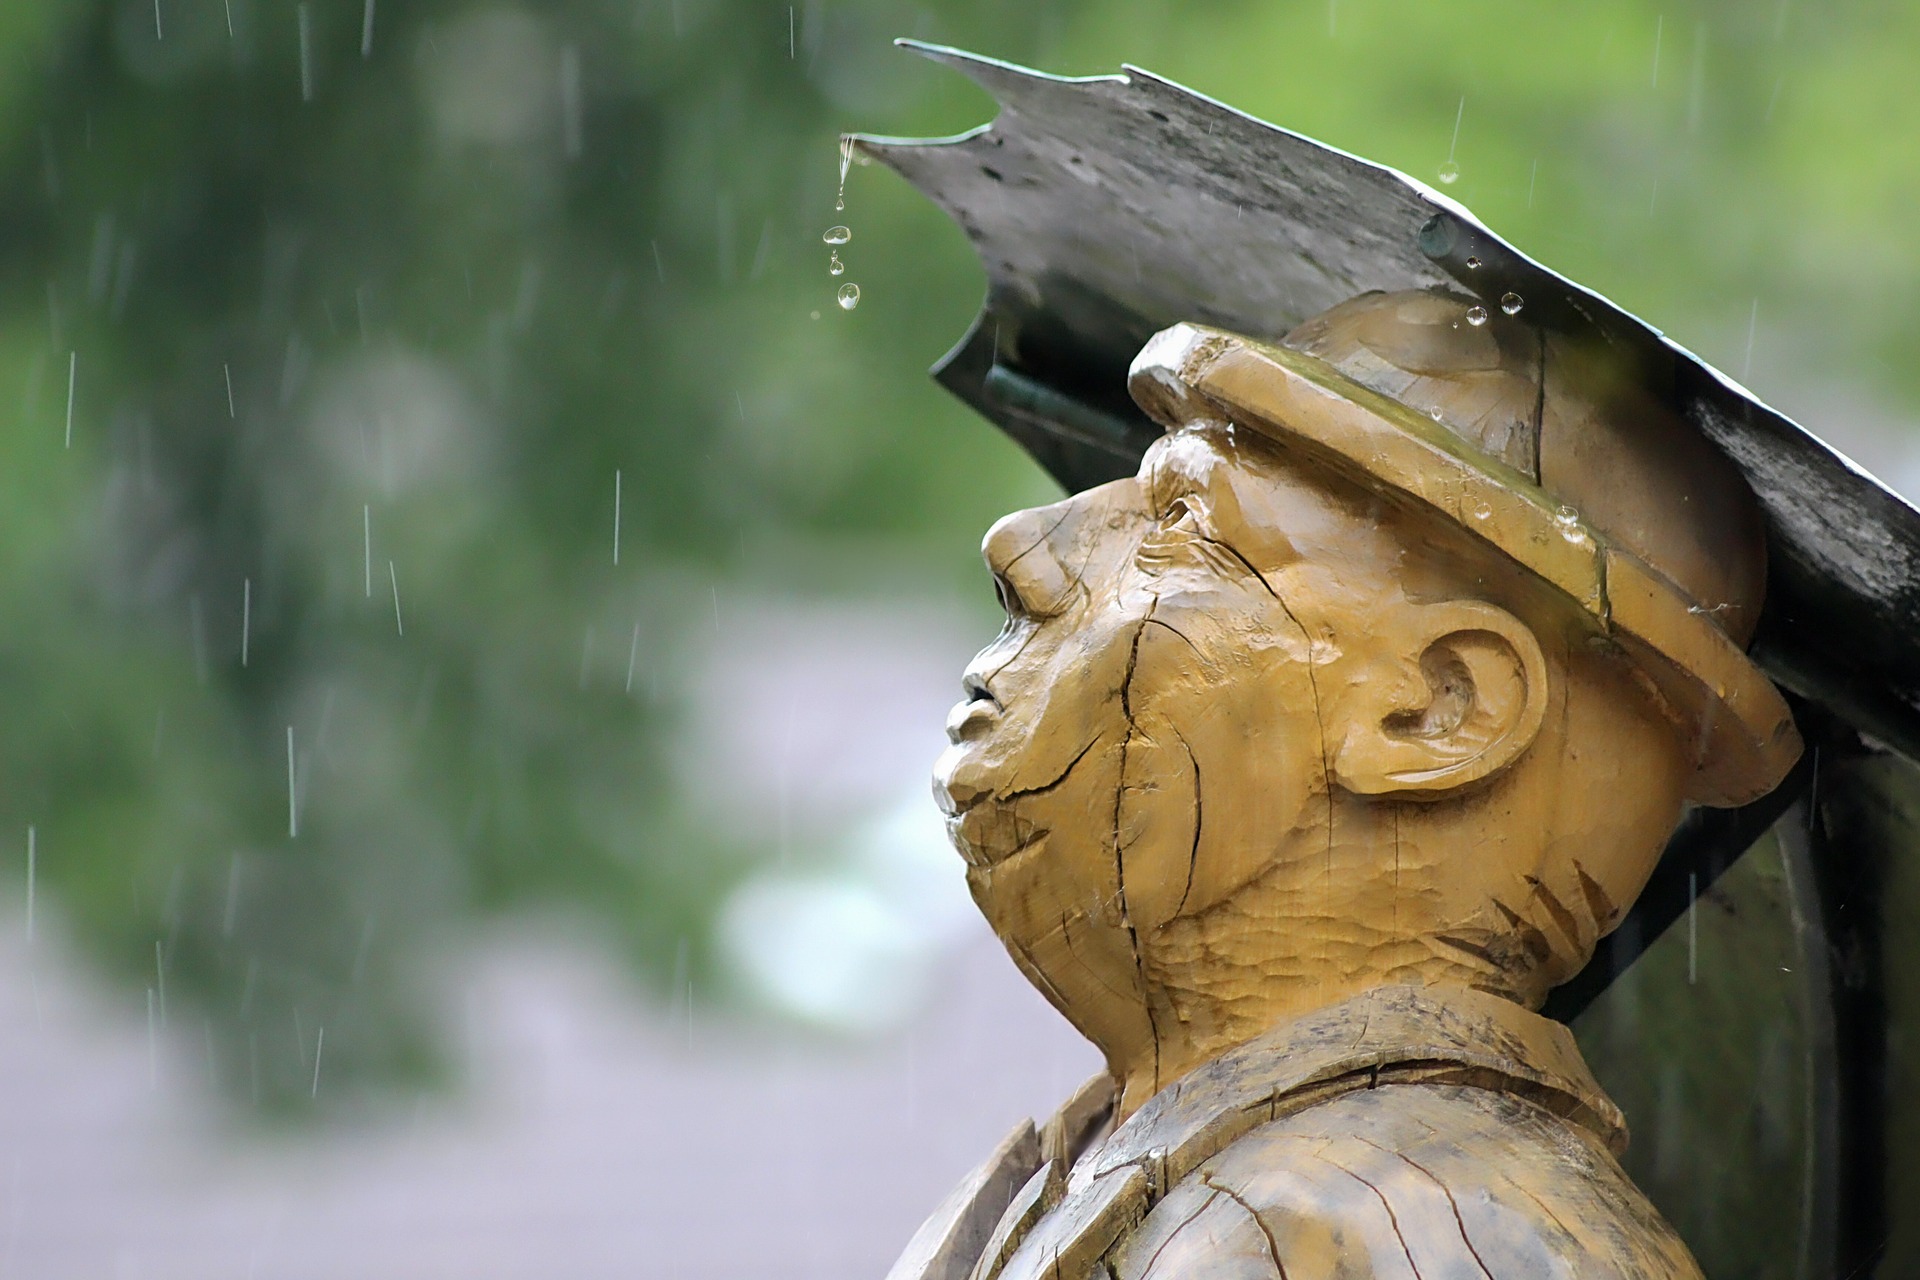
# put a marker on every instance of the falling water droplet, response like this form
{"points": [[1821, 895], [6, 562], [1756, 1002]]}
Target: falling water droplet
{"points": [[839, 204], [1511, 303], [849, 296], [1473, 264], [846, 159], [837, 235], [1449, 172], [1476, 315], [835, 266]]}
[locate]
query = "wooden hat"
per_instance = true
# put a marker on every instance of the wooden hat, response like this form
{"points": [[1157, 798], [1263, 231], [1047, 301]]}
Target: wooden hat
{"points": [[1468, 437]]}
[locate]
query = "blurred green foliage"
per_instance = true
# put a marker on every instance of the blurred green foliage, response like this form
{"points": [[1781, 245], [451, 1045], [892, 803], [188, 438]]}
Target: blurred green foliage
{"points": [[354, 311]]}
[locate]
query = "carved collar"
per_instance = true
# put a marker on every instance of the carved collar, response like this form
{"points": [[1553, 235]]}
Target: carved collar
{"points": [[1059, 1226]]}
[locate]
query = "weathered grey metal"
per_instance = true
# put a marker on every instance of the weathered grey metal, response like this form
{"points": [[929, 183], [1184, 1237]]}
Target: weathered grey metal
{"points": [[1107, 208]]}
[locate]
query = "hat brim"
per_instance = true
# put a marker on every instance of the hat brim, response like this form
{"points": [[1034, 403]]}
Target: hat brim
{"points": [[1742, 729]]}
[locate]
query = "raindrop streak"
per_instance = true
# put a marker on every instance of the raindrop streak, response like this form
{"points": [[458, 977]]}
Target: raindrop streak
{"points": [[229, 917], [1753, 321], [153, 1046], [366, 31], [571, 107], [837, 235], [366, 526], [160, 978], [1693, 927], [1450, 171], [394, 574], [846, 159], [293, 808], [1476, 315], [849, 296], [73, 369], [246, 617], [633, 655], [790, 35], [319, 1043], [33, 859], [835, 267], [616, 515], [1659, 29], [226, 371], [197, 623], [1532, 179], [1511, 303], [306, 53], [229, 8]]}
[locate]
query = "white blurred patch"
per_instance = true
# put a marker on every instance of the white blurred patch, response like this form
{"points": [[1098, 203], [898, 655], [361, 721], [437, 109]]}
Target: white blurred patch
{"points": [[853, 947], [492, 77], [391, 421]]}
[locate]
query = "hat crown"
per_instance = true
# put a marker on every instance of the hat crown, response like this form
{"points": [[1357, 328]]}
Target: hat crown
{"points": [[1585, 424]]}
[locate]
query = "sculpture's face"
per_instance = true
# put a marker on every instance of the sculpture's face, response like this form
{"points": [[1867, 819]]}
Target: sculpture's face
{"points": [[1145, 735], [1227, 757]]}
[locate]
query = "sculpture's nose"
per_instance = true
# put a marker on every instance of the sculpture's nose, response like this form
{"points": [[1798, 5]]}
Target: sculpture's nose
{"points": [[1022, 550]]}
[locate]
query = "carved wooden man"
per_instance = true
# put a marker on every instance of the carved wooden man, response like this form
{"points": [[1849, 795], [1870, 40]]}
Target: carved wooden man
{"points": [[1318, 751], [1309, 760]]}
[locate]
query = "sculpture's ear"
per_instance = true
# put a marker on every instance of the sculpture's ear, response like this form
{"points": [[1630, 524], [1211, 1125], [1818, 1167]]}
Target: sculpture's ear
{"points": [[1455, 695]]}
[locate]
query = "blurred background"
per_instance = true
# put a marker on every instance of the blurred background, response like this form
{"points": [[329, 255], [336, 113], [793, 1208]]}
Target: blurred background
{"points": [[477, 606]]}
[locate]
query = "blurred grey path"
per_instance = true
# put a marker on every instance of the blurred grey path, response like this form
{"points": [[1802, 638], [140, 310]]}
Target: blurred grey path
{"points": [[596, 1137]]}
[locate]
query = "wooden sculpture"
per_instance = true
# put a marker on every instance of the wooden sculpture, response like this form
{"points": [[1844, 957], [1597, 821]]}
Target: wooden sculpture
{"points": [[1352, 697], [1310, 759]]}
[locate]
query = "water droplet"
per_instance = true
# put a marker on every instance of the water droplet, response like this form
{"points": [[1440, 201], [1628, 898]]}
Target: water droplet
{"points": [[1511, 303], [1476, 315], [834, 265], [846, 158], [837, 235], [1434, 414], [1473, 264], [849, 296], [1482, 509], [813, 315], [1449, 172], [1567, 515]]}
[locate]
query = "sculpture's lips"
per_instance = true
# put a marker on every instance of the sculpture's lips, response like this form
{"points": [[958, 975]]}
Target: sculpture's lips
{"points": [[987, 835]]}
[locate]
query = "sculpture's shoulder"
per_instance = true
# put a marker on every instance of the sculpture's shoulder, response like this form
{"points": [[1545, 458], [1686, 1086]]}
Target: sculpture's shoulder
{"points": [[1413, 1181]]}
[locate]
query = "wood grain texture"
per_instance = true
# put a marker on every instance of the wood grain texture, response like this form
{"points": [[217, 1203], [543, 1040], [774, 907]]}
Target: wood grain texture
{"points": [[951, 1239], [1419, 1181]]}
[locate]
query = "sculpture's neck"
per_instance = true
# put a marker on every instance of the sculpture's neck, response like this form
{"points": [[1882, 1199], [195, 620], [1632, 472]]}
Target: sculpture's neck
{"points": [[1181, 1044]]}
